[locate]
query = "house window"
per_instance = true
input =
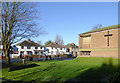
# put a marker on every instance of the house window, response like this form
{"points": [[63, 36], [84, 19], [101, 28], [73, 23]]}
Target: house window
{"points": [[67, 50], [40, 47], [76, 53], [36, 47], [52, 52], [48, 50], [72, 52], [29, 52], [86, 42], [22, 47], [28, 47], [52, 47], [36, 52], [2, 53], [22, 53], [60, 48]]}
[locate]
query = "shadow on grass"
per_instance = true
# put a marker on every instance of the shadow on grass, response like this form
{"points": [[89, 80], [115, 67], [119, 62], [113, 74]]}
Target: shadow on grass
{"points": [[11, 81], [13, 68], [102, 74]]}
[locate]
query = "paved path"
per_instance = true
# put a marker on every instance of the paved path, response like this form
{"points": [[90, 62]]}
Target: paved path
{"points": [[34, 59]]}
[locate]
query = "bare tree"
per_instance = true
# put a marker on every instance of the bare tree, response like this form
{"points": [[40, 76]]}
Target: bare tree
{"points": [[17, 23], [61, 43], [59, 40], [97, 26], [39, 42]]}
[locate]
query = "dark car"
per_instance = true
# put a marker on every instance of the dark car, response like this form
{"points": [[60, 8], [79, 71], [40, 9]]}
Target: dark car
{"points": [[70, 55]]}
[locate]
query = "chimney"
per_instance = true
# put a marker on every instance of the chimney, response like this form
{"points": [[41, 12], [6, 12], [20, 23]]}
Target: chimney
{"points": [[29, 40], [72, 43]]}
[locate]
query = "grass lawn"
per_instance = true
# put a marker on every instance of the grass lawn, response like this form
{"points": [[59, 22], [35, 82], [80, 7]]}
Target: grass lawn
{"points": [[79, 69]]}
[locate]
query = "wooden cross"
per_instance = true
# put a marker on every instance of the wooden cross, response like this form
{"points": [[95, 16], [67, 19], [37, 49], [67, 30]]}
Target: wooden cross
{"points": [[108, 37]]}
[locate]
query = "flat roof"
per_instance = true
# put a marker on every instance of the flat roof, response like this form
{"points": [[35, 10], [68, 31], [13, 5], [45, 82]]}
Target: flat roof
{"points": [[102, 29]]}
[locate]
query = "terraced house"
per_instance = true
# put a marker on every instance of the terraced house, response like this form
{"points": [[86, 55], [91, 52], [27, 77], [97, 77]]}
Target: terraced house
{"points": [[55, 49], [27, 48], [73, 49], [101, 42]]}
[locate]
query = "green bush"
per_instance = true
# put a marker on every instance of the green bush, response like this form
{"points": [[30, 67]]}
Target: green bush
{"points": [[65, 54], [36, 54]]}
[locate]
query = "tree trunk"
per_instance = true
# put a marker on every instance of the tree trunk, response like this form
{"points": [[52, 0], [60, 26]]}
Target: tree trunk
{"points": [[8, 60], [7, 57]]}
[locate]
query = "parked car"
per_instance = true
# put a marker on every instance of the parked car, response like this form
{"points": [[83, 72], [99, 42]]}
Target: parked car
{"points": [[70, 55]]}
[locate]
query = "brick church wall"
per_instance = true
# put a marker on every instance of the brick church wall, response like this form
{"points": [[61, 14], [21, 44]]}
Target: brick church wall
{"points": [[99, 44]]}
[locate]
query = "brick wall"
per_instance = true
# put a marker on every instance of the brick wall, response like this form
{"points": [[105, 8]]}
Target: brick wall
{"points": [[99, 44]]}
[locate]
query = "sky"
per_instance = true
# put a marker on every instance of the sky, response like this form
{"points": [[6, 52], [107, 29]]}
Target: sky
{"points": [[69, 19]]}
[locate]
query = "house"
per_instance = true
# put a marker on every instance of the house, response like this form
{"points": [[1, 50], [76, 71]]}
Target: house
{"points": [[101, 42], [73, 49], [27, 48], [55, 49], [2, 54]]}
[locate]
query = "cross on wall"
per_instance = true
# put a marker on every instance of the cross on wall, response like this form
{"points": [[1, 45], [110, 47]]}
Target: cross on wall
{"points": [[108, 35]]}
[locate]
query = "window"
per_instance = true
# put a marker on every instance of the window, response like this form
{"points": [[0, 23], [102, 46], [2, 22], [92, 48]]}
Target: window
{"points": [[52, 47], [29, 52], [86, 52], [36, 47], [67, 50], [86, 42], [60, 48], [40, 47], [72, 52], [36, 52], [22, 47], [52, 52], [28, 47], [21, 52], [76, 53], [14, 53]]}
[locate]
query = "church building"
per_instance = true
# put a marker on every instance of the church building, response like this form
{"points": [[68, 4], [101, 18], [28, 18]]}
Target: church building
{"points": [[101, 42]]}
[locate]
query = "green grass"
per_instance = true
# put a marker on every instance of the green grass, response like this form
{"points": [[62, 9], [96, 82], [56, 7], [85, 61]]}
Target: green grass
{"points": [[79, 69]]}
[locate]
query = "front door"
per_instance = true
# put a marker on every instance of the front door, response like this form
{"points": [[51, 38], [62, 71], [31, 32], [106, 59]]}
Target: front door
{"points": [[21, 54]]}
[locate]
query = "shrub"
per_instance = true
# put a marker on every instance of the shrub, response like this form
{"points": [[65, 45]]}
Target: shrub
{"points": [[65, 54], [36, 54]]}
